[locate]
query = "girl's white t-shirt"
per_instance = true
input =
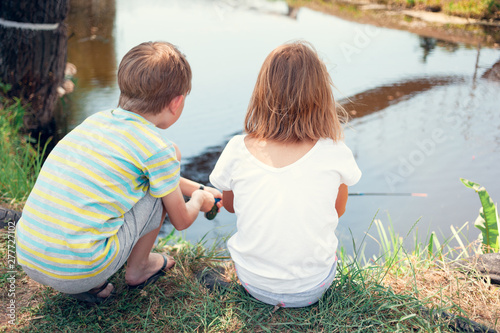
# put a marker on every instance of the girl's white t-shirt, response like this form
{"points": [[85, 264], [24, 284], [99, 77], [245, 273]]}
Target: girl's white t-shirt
{"points": [[286, 218]]}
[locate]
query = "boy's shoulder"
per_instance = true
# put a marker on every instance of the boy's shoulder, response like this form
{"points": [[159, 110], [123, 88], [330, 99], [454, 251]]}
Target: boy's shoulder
{"points": [[126, 127], [100, 117], [119, 118], [119, 115]]}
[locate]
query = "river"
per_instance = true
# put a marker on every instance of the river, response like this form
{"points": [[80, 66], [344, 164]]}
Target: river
{"points": [[423, 113]]}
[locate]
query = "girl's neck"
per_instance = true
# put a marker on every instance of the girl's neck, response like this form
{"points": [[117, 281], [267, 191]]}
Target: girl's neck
{"points": [[276, 153]]}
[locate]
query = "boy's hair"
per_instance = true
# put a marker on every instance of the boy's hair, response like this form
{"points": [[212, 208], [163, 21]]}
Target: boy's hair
{"points": [[151, 75], [293, 99]]}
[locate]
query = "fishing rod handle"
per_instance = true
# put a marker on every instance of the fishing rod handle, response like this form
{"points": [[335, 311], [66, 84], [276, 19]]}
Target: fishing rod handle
{"points": [[210, 215]]}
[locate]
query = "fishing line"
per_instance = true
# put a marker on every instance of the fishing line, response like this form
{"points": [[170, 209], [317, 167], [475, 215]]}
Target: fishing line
{"points": [[391, 194]]}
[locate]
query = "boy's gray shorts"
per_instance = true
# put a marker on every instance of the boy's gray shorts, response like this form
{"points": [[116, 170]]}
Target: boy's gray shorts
{"points": [[143, 218]]}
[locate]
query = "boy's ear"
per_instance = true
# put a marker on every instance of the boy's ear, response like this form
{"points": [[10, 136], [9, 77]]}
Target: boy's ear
{"points": [[176, 103]]}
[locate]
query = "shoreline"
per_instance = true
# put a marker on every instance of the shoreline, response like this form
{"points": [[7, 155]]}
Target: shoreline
{"points": [[454, 29]]}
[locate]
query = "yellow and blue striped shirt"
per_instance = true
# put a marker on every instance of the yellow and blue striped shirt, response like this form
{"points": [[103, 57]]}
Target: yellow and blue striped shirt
{"points": [[93, 176]]}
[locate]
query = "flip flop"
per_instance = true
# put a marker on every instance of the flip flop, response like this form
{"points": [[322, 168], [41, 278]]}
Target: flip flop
{"points": [[153, 278], [91, 295]]}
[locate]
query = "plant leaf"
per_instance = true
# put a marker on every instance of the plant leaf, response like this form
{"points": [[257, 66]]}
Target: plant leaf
{"points": [[487, 221], [490, 233]]}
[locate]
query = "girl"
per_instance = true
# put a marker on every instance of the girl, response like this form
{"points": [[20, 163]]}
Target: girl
{"points": [[286, 180]]}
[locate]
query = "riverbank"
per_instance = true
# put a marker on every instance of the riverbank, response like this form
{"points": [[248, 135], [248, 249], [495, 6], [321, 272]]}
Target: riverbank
{"points": [[421, 20], [403, 292]]}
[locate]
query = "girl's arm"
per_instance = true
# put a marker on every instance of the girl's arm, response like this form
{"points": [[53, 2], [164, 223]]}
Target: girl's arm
{"points": [[341, 201], [227, 200]]}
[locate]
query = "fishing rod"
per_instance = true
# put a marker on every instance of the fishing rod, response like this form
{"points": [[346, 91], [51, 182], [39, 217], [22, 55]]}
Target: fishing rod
{"points": [[391, 194]]}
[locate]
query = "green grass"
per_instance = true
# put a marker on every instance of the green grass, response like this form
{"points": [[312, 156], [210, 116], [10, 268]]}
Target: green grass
{"points": [[487, 9], [478, 9], [20, 162], [179, 303], [396, 291], [359, 300]]}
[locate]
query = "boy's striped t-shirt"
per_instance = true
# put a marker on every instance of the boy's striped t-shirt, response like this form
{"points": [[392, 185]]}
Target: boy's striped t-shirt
{"points": [[93, 176]]}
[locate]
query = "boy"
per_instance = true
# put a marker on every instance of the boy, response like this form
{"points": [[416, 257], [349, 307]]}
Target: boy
{"points": [[104, 190]]}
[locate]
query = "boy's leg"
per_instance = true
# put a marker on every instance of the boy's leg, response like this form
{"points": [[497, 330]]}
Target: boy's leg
{"points": [[105, 292], [141, 224], [142, 263]]}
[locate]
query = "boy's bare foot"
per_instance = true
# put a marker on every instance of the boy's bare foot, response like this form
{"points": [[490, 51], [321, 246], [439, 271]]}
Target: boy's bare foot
{"points": [[96, 295], [105, 292], [135, 276]]}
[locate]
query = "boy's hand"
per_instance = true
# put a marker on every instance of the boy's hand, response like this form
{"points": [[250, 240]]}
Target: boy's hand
{"points": [[216, 193], [206, 198]]}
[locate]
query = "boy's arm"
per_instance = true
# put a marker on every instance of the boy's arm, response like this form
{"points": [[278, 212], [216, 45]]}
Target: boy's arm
{"points": [[183, 214], [188, 186], [341, 201]]}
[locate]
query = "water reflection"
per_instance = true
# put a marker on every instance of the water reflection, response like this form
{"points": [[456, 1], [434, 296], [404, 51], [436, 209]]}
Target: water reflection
{"points": [[379, 98], [428, 44], [92, 44], [91, 48], [493, 73]]}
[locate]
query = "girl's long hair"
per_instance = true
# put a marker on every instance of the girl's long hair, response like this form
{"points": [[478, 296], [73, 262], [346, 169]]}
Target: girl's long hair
{"points": [[293, 99]]}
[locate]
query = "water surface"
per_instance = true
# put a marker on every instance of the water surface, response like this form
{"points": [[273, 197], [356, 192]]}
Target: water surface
{"points": [[423, 114]]}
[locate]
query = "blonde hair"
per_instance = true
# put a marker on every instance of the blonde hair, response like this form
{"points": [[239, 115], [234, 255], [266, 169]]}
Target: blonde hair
{"points": [[151, 75], [293, 99]]}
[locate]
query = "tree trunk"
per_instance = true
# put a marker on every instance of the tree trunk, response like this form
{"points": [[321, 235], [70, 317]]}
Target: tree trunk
{"points": [[33, 49]]}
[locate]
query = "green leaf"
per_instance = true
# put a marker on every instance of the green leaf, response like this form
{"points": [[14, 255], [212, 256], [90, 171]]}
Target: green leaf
{"points": [[488, 221], [490, 233], [430, 245], [472, 185]]}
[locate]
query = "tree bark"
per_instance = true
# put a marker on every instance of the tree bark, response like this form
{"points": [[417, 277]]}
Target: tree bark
{"points": [[33, 58]]}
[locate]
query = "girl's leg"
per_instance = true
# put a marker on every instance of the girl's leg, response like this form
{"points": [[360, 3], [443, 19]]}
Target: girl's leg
{"points": [[141, 263], [300, 299]]}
